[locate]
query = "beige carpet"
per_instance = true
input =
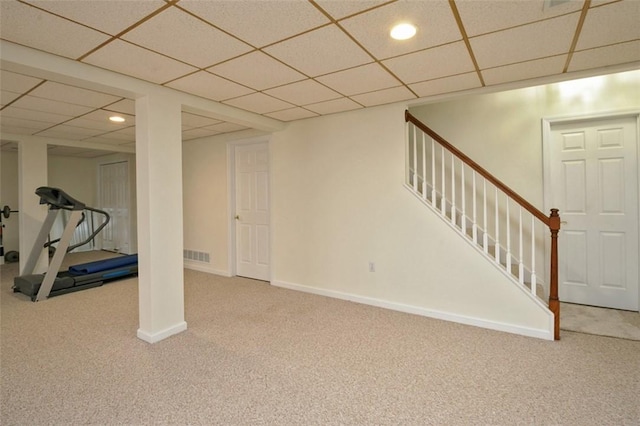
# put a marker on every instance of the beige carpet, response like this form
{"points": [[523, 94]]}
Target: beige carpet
{"points": [[260, 355], [600, 321]]}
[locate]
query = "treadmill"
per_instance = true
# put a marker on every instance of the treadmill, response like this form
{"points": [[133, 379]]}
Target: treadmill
{"points": [[77, 277]]}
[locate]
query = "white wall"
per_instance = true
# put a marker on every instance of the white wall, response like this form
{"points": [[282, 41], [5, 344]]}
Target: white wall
{"points": [[338, 203], [204, 192]]}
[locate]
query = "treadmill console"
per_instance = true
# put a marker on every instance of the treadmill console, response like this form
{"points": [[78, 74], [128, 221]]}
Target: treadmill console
{"points": [[58, 199]]}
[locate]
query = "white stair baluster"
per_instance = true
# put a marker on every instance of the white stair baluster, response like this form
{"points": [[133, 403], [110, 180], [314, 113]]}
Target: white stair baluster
{"points": [[443, 197], [463, 221], [453, 190], [485, 237], [474, 198], [497, 239], [533, 256], [508, 224], [433, 174], [424, 168], [415, 161], [521, 254]]}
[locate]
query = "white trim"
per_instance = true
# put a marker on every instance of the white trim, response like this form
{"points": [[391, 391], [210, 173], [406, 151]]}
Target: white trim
{"points": [[202, 268], [546, 334], [161, 335], [547, 123]]}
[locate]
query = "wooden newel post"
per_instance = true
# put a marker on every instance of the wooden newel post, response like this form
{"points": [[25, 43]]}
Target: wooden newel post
{"points": [[554, 303]]}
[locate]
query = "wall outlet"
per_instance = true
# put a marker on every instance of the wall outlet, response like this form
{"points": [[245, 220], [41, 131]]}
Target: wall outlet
{"points": [[372, 267]]}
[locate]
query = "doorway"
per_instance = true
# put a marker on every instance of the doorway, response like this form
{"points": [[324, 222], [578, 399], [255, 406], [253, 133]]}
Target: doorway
{"points": [[114, 199], [251, 215], [591, 175]]}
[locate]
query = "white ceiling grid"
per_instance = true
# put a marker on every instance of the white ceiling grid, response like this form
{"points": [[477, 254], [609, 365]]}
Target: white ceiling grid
{"points": [[294, 59]]}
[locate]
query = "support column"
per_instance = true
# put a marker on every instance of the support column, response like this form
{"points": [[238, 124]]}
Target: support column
{"points": [[32, 173], [159, 199]]}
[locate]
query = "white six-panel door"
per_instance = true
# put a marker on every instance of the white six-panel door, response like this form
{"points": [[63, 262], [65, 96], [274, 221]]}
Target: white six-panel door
{"points": [[252, 211], [114, 199], [594, 182]]}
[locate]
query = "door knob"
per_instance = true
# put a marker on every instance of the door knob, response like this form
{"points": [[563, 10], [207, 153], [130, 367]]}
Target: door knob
{"points": [[237, 217]]}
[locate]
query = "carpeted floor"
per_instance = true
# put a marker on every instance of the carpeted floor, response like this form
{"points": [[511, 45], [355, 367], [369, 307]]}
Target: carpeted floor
{"points": [[600, 321], [260, 355]]}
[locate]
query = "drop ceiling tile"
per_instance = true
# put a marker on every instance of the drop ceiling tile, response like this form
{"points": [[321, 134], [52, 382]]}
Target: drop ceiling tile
{"points": [[93, 153], [342, 9], [524, 70], [605, 56], [303, 92], [292, 114], [433, 63], [621, 21], [102, 116], [16, 130], [174, 33], [29, 114], [66, 151], [481, 17], [47, 105], [127, 134], [434, 21], [73, 95], [104, 140], [226, 127], [243, 70], [69, 132], [100, 127], [209, 86], [30, 125], [259, 103], [320, 52], [366, 78], [111, 16], [547, 38], [190, 121], [333, 106], [125, 106], [259, 23], [135, 61], [188, 135], [386, 96], [18, 83], [7, 97], [446, 85], [32, 27]]}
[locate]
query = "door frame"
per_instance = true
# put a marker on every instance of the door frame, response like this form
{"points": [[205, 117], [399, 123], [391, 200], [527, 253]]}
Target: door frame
{"points": [[547, 123], [231, 201]]}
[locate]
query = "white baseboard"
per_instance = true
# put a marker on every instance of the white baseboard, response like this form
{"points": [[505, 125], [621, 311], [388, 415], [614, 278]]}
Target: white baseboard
{"points": [[163, 334], [204, 268], [425, 312]]}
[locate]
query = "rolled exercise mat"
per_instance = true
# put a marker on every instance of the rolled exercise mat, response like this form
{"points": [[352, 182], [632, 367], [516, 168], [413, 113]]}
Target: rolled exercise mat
{"points": [[104, 265]]}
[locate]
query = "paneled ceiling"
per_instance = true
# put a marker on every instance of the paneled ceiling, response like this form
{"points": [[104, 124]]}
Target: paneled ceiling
{"points": [[294, 59]]}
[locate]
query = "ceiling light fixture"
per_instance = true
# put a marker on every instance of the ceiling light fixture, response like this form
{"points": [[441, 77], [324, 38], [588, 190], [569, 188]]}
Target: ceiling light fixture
{"points": [[403, 31], [117, 119]]}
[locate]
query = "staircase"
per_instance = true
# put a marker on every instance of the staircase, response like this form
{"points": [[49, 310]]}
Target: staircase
{"points": [[506, 229]]}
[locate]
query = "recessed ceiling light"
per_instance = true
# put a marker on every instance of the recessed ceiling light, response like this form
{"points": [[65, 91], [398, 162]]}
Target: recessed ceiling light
{"points": [[403, 31], [116, 119]]}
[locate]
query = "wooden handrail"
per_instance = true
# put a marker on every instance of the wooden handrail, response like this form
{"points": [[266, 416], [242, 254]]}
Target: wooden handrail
{"points": [[552, 221]]}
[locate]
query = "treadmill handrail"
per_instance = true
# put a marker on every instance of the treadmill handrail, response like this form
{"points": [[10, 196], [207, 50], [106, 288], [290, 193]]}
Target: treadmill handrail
{"points": [[56, 198]]}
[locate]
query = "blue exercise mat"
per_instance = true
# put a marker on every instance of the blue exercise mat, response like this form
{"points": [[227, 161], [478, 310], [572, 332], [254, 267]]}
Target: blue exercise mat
{"points": [[104, 265]]}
